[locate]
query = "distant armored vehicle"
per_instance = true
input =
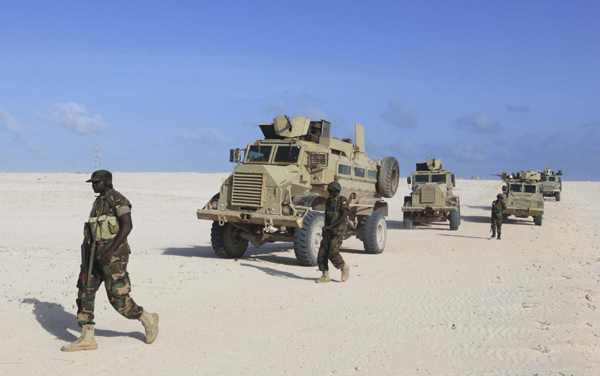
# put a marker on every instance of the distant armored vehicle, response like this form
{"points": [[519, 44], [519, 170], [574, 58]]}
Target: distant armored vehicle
{"points": [[432, 198], [523, 195], [476, 177], [551, 183], [277, 190]]}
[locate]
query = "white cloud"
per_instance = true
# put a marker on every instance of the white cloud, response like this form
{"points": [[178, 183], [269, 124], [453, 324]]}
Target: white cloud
{"points": [[468, 151], [75, 116], [480, 122], [396, 115], [203, 136], [9, 123]]}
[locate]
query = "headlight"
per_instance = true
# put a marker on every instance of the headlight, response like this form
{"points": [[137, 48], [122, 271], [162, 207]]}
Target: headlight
{"points": [[214, 204], [286, 210]]}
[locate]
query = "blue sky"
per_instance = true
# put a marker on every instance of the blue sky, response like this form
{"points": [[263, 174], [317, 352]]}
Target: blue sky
{"points": [[488, 86]]}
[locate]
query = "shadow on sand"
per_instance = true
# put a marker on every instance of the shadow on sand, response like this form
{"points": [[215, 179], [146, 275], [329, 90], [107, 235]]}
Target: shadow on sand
{"points": [[275, 272], [476, 218], [464, 236], [56, 321], [484, 207]]}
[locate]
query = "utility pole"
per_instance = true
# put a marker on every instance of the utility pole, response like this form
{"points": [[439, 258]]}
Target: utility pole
{"points": [[95, 158]]}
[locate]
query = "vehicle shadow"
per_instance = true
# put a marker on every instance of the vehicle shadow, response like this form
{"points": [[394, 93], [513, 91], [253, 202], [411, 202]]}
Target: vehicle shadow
{"points": [[476, 218], [464, 236], [277, 273], [485, 207], [394, 225], [267, 253], [56, 321], [194, 251]]}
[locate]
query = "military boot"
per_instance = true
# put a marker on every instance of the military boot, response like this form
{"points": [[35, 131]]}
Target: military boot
{"points": [[85, 342], [345, 272], [493, 234], [324, 278], [498, 236], [150, 322]]}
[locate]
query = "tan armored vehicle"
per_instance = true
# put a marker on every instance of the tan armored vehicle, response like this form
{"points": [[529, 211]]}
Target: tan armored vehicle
{"points": [[432, 198], [523, 195], [277, 190], [551, 183]]}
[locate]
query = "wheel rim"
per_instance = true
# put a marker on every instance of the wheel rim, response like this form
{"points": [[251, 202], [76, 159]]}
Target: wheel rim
{"points": [[380, 233], [317, 238]]}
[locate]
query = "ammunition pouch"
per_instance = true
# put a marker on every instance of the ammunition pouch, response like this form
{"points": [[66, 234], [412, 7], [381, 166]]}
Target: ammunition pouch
{"points": [[104, 227]]}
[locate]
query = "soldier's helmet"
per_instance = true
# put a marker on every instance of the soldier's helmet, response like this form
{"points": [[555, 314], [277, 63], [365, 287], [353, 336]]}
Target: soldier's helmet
{"points": [[499, 196], [101, 175], [334, 186]]}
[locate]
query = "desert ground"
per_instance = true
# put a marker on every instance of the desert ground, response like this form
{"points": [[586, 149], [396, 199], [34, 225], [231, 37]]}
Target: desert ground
{"points": [[435, 302]]}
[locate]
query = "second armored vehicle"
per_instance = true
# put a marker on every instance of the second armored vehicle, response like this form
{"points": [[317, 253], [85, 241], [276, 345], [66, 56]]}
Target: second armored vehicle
{"points": [[432, 198], [551, 183], [277, 190], [523, 195]]}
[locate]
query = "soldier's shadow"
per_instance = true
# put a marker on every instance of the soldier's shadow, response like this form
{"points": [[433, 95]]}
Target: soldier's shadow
{"points": [[56, 321]]}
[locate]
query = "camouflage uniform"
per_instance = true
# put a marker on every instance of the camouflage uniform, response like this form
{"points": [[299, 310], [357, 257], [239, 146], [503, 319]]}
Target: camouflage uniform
{"points": [[498, 208], [332, 239], [114, 274]]}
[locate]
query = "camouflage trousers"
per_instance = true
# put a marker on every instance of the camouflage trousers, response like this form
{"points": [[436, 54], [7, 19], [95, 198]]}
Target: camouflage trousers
{"points": [[330, 249], [497, 225], [117, 285]]}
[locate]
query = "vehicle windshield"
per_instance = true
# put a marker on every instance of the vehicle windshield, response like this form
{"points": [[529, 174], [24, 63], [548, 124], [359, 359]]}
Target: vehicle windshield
{"points": [[438, 178], [287, 154], [516, 187], [552, 179], [530, 188], [421, 179], [259, 154]]}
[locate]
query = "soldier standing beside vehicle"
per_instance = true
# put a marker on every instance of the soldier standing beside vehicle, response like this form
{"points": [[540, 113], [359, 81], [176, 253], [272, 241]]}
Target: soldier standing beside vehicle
{"points": [[336, 212], [108, 227], [498, 208]]}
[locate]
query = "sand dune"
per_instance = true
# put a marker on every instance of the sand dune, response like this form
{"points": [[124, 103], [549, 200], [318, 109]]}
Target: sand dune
{"points": [[435, 302]]}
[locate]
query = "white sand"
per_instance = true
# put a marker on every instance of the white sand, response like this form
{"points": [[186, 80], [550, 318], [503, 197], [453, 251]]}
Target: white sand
{"points": [[435, 302]]}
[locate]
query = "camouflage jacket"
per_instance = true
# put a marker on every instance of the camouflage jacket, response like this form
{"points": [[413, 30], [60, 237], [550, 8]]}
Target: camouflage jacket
{"points": [[333, 210], [114, 204], [498, 208]]}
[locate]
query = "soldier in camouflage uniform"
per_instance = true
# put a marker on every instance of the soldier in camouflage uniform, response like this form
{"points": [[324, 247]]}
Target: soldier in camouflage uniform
{"points": [[498, 208], [336, 212], [108, 227]]}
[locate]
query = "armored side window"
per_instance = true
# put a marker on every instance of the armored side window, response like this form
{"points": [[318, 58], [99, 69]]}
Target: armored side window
{"points": [[287, 154], [344, 169], [421, 179], [530, 188], [371, 174], [516, 187], [359, 172], [552, 179], [259, 154], [438, 178]]}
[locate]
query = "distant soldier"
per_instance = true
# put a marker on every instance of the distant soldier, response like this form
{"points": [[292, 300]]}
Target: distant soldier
{"points": [[498, 208], [336, 213], [108, 227]]}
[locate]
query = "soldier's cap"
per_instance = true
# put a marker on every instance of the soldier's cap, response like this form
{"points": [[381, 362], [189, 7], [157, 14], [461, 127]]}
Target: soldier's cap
{"points": [[334, 185], [499, 195], [100, 175]]}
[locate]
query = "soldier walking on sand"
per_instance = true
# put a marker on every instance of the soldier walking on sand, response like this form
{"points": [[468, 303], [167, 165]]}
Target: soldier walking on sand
{"points": [[336, 212], [108, 227], [498, 208]]}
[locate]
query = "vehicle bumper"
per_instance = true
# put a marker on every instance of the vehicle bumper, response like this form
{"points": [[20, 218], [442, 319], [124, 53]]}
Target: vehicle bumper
{"points": [[413, 209], [524, 213], [223, 216]]}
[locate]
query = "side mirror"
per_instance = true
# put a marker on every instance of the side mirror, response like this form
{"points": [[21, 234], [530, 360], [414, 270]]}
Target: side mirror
{"points": [[453, 180], [235, 155], [408, 180], [504, 188]]}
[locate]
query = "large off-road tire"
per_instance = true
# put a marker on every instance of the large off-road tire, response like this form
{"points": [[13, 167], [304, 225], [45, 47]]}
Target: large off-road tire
{"points": [[226, 240], [387, 178], [408, 221], [374, 233], [537, 220], [454, 220], [557, 196], [307, 239], [459, 216]]}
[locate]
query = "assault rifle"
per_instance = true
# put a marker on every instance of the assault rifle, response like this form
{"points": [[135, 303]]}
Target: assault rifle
{"points": [[85, 260]]}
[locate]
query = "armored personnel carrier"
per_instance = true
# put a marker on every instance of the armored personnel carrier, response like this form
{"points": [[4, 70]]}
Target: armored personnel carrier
{"points": [[432, 198], [551, 183], [523, 195], [278, 189]]}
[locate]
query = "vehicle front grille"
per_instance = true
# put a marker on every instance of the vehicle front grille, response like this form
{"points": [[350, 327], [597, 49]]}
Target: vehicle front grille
{"points": [[247, 189], [522, 204], [427, 195]]}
